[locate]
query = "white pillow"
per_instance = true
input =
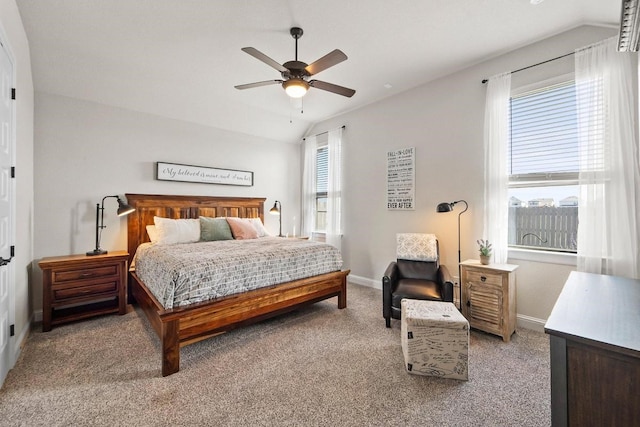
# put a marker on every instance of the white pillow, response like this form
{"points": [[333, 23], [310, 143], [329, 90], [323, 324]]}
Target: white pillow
{"points": [[257, 224], [172, 231], [152, 232]]}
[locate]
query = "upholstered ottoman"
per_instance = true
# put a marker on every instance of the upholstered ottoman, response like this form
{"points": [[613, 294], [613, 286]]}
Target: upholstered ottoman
{"points": [[435, 339]]}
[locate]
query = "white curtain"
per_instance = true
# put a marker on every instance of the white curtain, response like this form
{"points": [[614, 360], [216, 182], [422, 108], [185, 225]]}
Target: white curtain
{"points": [[309, 186], [496, 178], [334, 189], [609, 174]]}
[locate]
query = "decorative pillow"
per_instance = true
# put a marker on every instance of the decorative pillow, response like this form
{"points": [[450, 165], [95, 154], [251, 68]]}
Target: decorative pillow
{"points": [[172, 231], [257, 224], [416, 246], [152, 232], [242, 229], [214, 229]]}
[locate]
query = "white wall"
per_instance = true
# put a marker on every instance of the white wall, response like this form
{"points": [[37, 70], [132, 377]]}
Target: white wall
{"points": [[85, 151], [13, 35], [444, 120]]}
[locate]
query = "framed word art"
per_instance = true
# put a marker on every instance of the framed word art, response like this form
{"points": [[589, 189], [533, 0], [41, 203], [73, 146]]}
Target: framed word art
{"points": [[202, 174], [401, 176]]}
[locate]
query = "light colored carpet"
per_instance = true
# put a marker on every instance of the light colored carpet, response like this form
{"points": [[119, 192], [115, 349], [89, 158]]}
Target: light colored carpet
{"points": [[314, 367]]}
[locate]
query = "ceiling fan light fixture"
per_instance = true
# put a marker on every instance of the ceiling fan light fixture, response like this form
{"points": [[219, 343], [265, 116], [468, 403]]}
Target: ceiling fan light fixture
{"points": [[295, 88]]}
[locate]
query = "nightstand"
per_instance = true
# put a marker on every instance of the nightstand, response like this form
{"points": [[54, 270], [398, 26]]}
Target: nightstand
{"points": [[75, 287], [489, 297]]}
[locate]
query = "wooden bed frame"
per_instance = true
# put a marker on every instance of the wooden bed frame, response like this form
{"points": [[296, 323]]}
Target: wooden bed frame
{"points": [[186, 325]]}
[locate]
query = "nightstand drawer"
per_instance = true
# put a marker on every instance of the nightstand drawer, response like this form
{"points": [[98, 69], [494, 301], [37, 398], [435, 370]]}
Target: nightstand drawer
{"points": [[83, 274], [61, 294], [482, 278]]}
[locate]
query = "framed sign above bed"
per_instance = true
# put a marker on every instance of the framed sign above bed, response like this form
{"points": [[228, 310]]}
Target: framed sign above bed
{"points": [[203, 174]]}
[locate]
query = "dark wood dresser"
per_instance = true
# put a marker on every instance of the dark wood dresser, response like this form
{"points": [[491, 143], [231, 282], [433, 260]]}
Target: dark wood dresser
{"points": [[594, 331]]}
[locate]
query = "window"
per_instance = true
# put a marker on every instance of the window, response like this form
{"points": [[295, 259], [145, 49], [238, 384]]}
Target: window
{"points": [[543, 166], [322, 176], [322, 187]]}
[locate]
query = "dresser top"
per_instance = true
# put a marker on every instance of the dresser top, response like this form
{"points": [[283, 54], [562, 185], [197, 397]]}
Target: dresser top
{"points": [[58, 260], [602, 310], [491, 266]]}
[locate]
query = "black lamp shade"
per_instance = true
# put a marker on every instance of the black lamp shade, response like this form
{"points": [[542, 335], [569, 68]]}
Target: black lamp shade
{"points": [[123, 208], [444, 207], [274, 210]]}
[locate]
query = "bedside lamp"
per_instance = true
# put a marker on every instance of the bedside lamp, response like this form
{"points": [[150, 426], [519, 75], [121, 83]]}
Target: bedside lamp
{"points": [[277, 210], [123, 209]]}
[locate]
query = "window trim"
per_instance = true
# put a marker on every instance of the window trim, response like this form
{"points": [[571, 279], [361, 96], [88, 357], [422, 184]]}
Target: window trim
{"points": [[538, 255], [543, 84], [547, 179]]}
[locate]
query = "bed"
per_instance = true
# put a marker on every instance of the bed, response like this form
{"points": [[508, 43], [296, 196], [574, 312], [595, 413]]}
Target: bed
{"points": [[179, 326]]}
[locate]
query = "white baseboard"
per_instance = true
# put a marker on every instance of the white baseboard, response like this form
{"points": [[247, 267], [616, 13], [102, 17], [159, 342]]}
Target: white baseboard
{"points": [[523, 321], [528, 322], [19, 343], [359, 280]]}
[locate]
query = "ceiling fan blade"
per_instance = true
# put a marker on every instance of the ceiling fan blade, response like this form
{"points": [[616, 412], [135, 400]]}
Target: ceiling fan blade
{"points": [[258, 84], [264, 58], [329, 60], [330, 87]]}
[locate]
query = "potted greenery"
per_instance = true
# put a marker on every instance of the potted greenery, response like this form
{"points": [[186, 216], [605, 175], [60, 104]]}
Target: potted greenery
{"points": [[485, 251]]}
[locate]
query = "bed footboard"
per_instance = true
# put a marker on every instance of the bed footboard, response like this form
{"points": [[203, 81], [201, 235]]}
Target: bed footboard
{"points": [[182, 326]]}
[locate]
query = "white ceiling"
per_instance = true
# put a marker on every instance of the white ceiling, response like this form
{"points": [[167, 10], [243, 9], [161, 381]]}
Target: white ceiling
{"points": [[181, 58]]}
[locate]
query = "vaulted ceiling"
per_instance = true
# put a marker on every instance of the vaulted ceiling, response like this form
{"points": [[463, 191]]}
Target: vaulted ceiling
{"points": [[181, 59]]}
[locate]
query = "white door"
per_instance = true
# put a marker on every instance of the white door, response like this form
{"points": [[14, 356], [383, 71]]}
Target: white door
{"points": [[6, 209]]}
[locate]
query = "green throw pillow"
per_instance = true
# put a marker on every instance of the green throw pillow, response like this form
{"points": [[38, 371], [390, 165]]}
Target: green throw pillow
{"points": [[214, 229]]}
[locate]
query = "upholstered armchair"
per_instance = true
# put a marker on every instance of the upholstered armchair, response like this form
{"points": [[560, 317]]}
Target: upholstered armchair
{"points": [[416, 274]]}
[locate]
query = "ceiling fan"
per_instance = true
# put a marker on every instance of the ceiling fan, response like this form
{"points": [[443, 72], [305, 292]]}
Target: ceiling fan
{"points": [[295, 73]]}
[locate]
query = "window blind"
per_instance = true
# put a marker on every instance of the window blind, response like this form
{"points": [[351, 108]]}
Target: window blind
{"points": [[322, 170], [544, 134]]}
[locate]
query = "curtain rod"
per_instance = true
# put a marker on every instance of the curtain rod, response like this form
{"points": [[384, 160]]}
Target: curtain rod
{"points": [[535, 65], [322, 133]]}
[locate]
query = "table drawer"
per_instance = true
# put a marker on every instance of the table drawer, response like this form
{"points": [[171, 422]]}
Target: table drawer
{"points": [[84, 289], [482, 278], [84, 273]]}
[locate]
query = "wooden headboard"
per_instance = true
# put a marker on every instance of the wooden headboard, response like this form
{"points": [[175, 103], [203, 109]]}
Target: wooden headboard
{"points": [[149, 205]]}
